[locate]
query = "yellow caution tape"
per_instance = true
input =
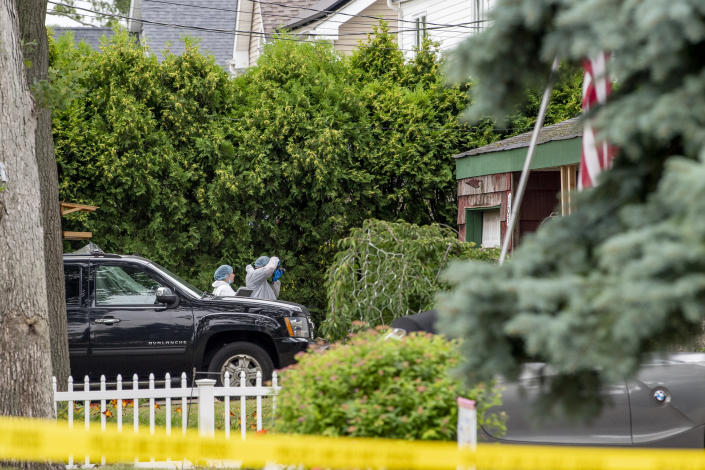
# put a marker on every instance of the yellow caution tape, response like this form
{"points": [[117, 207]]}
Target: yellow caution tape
{"points": [[40, 440]]}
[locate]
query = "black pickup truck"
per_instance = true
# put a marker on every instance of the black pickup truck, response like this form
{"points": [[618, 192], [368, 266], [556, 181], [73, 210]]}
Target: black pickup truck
{"points": [[128, 315]]}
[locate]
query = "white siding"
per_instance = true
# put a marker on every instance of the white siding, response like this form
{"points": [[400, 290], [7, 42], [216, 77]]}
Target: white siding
{"points": [[442, 12], [256, 40], [349, 42], [358, 25]]}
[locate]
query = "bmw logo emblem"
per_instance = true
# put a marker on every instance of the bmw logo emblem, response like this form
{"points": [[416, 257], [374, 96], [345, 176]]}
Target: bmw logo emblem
{"points": [[660, 395]]}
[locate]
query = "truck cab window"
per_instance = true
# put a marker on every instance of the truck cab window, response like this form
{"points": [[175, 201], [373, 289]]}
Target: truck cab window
{"points": [[124, 285], [72, 278]]}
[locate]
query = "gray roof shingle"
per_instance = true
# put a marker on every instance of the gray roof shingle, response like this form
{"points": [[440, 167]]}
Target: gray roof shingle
{"points": [[285, 12], [567, 129], [208, 14], [87, 34]]}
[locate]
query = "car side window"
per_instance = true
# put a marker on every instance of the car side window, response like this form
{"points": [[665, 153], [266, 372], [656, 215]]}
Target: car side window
{"points": [[124, 285], [72, 278]]}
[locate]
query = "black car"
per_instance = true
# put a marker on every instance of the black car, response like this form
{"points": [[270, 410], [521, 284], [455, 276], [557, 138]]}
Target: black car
{"points": [[128, 315]]}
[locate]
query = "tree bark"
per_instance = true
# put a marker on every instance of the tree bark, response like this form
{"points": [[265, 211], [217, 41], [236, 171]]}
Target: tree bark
{"points": [[32, 14], [25, 361]]}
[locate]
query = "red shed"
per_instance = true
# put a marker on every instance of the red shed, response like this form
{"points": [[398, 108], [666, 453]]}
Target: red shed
{"points": [[487, 177]]}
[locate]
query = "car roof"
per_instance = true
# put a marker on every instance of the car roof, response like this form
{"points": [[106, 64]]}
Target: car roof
{"points": [[93, 256]]}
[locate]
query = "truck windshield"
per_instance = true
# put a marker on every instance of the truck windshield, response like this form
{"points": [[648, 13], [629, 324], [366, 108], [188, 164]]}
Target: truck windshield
{"points": [[196, 291]]}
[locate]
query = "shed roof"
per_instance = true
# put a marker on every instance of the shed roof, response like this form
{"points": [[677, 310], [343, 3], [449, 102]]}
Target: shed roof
{"points": [[567, 129], [88, 34]]}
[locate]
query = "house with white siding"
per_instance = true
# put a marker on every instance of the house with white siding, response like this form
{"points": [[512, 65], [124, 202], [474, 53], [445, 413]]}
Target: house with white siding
{"points": [[235, 31], [258, 22], [445, 21], [344, 22]]}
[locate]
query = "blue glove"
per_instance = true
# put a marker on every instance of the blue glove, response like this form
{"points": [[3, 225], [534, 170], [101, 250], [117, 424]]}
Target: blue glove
{"points": [[277, 274]]}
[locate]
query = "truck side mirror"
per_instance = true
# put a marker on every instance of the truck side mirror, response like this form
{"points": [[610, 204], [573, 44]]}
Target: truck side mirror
{"points": [[166, 296]]}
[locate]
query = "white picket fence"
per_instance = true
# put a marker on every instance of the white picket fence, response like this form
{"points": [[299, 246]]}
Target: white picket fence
{"points": [[202, 395]]}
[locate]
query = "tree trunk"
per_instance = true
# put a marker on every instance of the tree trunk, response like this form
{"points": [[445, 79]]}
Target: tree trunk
{"points": [[25, 361], [32, 14]]}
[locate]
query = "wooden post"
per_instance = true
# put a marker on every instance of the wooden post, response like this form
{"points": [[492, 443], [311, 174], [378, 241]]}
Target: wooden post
{"points": [[568, 184]]}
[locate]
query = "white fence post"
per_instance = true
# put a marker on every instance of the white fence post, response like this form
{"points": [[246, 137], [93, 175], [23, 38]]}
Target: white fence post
{"points": [[226, 407], [53, 388], [87, 412], [243, 408], [206, 406], [467, 426], [467, 423]]}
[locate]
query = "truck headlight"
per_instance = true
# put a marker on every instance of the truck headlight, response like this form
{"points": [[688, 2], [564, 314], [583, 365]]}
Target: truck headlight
{"points": [[297, 326]]}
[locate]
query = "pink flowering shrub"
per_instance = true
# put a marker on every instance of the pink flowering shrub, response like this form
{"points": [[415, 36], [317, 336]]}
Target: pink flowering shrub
{"points": [[372, 387]]}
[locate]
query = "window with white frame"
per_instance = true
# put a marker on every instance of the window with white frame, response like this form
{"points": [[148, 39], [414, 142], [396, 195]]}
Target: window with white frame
{"points": [[420, 27], [482, 226]]}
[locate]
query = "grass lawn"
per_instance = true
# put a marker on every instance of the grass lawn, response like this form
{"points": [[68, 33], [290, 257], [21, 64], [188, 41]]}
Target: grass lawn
{"points": [[176, 414]]}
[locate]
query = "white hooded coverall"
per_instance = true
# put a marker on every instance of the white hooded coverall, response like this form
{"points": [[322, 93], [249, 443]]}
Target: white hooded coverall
{"points": [[222, 289], [256, 280]]}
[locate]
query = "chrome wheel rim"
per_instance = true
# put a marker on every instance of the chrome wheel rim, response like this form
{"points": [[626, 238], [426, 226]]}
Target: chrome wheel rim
{"points": [[240, 363]]}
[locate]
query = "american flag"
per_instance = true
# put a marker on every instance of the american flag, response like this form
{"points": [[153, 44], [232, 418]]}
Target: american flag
{"points": [[596, 156]]}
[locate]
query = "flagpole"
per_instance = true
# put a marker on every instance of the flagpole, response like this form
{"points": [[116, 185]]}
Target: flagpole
{"points": [[527, 162]]}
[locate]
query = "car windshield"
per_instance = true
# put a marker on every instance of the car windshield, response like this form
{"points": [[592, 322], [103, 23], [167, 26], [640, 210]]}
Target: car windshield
{"points": [[196, 291]]}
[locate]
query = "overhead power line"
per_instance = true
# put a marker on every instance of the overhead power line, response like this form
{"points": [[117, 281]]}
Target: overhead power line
{"points": [[236, 31], [375, 18], [98, 14]]}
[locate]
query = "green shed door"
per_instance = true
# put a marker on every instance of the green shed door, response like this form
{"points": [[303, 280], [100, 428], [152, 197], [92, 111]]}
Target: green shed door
{"points": [[473, 226]]}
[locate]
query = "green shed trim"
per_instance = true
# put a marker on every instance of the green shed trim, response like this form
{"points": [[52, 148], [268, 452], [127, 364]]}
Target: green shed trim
{"points": [[548, 154]]}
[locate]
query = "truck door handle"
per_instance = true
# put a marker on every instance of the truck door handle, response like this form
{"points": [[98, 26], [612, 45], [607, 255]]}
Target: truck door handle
{"points": [[107, 321]]}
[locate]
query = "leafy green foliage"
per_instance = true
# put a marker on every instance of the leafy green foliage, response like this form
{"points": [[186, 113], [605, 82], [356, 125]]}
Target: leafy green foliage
{"points": [[144, 141], [566, 101], [622, 277], [372, 387], [385, 270], [323, 143], [194, 169]]}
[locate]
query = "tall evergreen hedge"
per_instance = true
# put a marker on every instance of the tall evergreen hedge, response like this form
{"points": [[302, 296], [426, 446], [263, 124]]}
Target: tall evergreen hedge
{"points": [[193, 168]]}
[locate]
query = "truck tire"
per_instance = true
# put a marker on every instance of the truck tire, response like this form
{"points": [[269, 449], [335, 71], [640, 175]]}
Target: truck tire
{"points": [[241, 356]]}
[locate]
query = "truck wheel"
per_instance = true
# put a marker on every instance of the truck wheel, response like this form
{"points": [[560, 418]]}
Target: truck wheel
{"points": [[239, 357]]}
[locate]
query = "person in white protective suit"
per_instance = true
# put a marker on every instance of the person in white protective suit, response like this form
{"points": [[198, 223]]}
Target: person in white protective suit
{"points": [[257, 277], [223, 277]]}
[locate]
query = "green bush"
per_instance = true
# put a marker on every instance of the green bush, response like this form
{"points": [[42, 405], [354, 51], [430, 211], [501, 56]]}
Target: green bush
{"points": [[372, 387], [385, 270]]}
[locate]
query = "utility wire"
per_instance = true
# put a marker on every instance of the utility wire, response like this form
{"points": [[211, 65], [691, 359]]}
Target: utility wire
{"points": [[232, 31], [375, 18], [362, 33], [265, 2], [222, 31], [277, 15], [99, 15]]}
